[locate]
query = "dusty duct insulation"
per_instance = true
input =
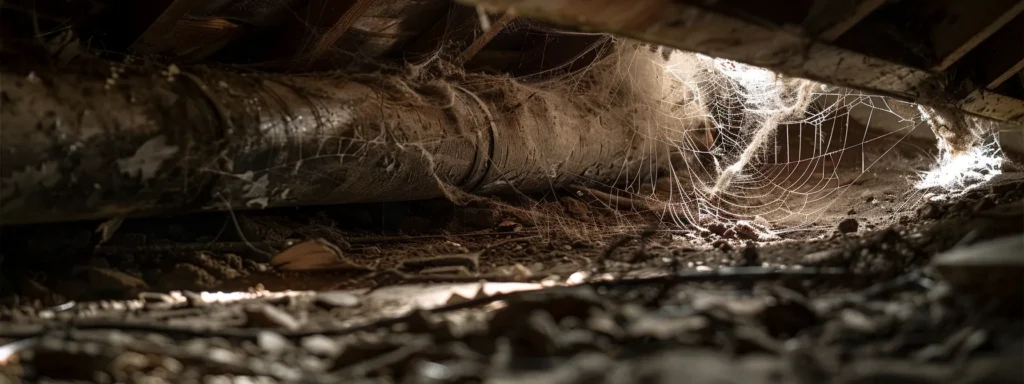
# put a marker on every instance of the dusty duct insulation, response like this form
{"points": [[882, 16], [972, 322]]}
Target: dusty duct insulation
{"points": [[89, 144]]}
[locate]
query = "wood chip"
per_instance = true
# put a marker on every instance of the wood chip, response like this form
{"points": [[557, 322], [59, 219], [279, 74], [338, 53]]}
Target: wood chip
{"points": [[447, 270], [470, 261], [315, 254], [267, 316], [108, 228]]}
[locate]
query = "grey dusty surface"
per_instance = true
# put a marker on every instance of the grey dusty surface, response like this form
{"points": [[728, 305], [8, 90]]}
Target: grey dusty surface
{"points": [[527, 306]]}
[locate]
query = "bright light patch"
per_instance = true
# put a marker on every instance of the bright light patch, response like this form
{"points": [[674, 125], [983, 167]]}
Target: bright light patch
{"points": [[957, 173]]}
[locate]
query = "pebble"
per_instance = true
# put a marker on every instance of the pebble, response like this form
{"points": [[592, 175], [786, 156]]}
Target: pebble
{"points": [[849, 225], [272, 342], [825, 257], [337, 299], [156, 298], [703, 268], [267, 316], [750, 255], [576, 208], [320, 345]]}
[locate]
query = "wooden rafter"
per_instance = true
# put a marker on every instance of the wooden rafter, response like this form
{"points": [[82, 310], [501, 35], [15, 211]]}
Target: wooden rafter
{"points": [[459, 30], [837, 17], [198, 39], [160, 18], [1001, 56], [689, 26], [328, 20], [966, 25], [484, 37]]}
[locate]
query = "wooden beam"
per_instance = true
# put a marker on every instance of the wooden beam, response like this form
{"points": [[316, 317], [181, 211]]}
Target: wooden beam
{"points": [[456, 25], [987, 103], [834, 18], [484, 37], [161, 17], [198, 39], [559, 54], [966, 24], [1000, 57], [458, 31], [690, 27], [328, 21]]}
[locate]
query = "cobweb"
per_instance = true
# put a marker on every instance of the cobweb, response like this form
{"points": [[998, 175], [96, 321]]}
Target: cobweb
{"points": [[756, 154]]}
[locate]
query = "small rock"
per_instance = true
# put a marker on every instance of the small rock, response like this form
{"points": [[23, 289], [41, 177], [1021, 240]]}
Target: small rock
{"points": [[509, 226], [750, 256], [857, 321], [849, 225], [722, 245], [703, 268], [234, 261], [576, 208], [337, 299], [823, 258], [272, 342], [929, 211], [267, 316], [156, 298], [320, 345], [193, 299]]}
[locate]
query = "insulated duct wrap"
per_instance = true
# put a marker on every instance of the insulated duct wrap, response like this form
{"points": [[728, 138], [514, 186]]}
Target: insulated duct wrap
{"points": [[87, 145]]}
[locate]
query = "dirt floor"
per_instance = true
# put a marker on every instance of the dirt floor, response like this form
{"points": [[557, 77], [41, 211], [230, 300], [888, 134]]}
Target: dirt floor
{"points": [[428, 292]]}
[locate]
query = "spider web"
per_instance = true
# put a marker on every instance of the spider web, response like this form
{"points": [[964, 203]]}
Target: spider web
{"points": [[776, 155]]}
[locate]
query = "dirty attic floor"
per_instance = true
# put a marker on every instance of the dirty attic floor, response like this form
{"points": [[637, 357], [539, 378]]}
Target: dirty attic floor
{"points": [[314, 295]]}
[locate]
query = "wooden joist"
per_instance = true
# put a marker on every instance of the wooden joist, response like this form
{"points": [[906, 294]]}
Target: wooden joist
{"points": [[158, 19], [198, 39], [688, 26], [1001, 56], [459, 32], [328, 20], [834, 18], [483, 37], [966, 24]]}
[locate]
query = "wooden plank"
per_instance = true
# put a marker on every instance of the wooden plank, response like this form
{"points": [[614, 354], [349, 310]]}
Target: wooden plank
{"points": [[329, 20], [966, 24], [987, 103], [484, 37], [837, 17], [693, 28], [162, 16]]}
